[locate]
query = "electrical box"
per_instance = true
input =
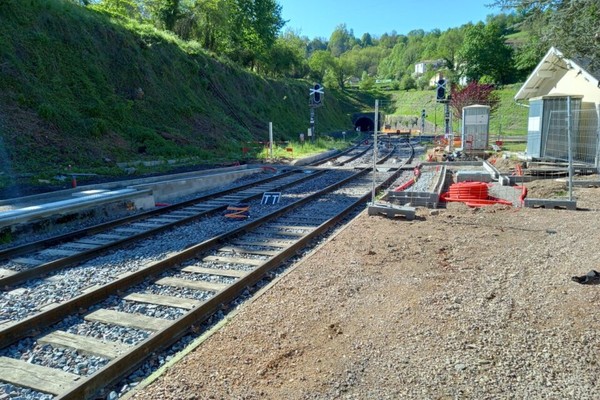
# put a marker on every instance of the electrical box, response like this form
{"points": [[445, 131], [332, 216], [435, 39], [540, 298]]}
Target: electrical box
{"points": [[475, 128]]}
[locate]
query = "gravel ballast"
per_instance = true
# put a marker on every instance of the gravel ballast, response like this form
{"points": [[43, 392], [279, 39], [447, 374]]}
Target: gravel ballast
{"points": [[459, 303]]}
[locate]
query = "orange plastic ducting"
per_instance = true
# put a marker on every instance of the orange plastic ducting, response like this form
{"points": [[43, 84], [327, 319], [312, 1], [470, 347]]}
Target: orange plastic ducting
{"points": [[473, 194]]}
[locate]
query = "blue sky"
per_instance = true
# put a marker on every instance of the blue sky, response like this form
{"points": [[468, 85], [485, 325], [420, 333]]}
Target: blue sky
{"points": [[319, 18]]}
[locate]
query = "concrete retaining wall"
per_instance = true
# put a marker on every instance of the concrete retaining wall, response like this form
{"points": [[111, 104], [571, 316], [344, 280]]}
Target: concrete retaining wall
{"points": [[167, 191]]}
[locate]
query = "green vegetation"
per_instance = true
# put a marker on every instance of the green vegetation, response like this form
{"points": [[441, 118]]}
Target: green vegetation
{"points": [[87, 84], [514, 147], [571, 26], [296, 149], [509, 119], [82, 90]]}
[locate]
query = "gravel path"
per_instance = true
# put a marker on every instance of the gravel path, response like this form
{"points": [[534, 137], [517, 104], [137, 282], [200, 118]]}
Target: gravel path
{"points": [[459, 303]]}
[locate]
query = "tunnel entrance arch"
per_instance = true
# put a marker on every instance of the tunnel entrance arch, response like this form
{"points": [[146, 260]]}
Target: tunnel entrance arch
{"points": [[365, 122]]}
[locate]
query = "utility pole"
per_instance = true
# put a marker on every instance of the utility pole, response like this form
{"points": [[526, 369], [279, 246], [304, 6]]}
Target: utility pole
{"points": [[375, 150], [570, 145], [448, 129], [423, 116], [312, 124]]}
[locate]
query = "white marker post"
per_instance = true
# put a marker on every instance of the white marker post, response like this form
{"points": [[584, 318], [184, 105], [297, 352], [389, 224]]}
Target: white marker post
{"points": [[270, 140]]}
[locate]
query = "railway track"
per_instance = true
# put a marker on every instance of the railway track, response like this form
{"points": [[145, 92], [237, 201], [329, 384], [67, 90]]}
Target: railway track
{"points": [[51, 254], [48, 255], [199, 280]]}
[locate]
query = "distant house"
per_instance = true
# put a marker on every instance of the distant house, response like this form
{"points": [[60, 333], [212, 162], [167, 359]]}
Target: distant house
{"points": [[423, 66], [556, 87]]}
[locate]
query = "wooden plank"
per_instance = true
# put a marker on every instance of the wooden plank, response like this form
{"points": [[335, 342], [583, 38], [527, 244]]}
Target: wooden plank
{"points": [[59, 252], [213, 203], [169, 301], [129, 230], [6, 272], [233, 260], [295, 227], [165, 219], [199, 208], [182, 213], [280, 233], [256, 236], [128, 320], [96, 242], [186, 283], [144, 225], [266, 244], [245, 250], [232, 273], [82, 246], [37, 377], [84, 344], [28, 261], [309, 221], [107, 236]]}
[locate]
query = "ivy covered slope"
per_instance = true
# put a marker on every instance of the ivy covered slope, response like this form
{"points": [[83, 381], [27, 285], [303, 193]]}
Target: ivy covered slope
{"points": [[83, 88]]}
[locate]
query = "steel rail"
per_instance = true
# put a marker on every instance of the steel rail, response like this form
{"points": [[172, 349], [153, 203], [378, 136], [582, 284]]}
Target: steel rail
{"points": [[31, 325], [127, 363], [324, 160], [28, 247], [61, 263]]}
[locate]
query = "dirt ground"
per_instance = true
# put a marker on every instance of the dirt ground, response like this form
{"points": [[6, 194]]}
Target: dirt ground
{"points": [[459, 303]]}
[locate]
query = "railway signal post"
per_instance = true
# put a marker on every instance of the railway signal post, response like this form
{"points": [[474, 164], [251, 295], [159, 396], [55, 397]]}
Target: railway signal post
{"points": [[440, 96], [316, 95]]}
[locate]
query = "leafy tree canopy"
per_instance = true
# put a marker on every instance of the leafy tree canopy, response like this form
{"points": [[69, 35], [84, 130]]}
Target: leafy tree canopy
{"points": [[572, 26], [485, 53], [473, 93]]}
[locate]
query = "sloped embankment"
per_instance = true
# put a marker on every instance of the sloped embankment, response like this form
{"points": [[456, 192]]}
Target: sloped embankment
{"points": [[84, 88]]}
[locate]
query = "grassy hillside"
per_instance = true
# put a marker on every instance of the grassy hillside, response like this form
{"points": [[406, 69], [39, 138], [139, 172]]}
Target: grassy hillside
{"points": [[85, 89], [509, 120]]}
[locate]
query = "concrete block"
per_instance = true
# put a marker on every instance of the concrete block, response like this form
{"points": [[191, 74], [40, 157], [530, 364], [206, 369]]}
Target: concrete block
{"points": [[392, 211], [551, 203], [473, 176]]}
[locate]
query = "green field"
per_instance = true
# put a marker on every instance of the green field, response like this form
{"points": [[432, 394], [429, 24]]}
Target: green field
{"points": [[509, 120]]}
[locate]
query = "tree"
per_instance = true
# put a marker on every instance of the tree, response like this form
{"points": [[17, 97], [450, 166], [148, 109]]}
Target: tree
{"points": [[125, 8], [365, 59], [341, 40], [366, 82], [389, 40], [315, 44], [319, 62], [339, 70], [408, 82], [484, 53], [256, 24], [366, 40], [449, 45], [572, 26], [165, 13], [473, 93], [287, 57]]}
